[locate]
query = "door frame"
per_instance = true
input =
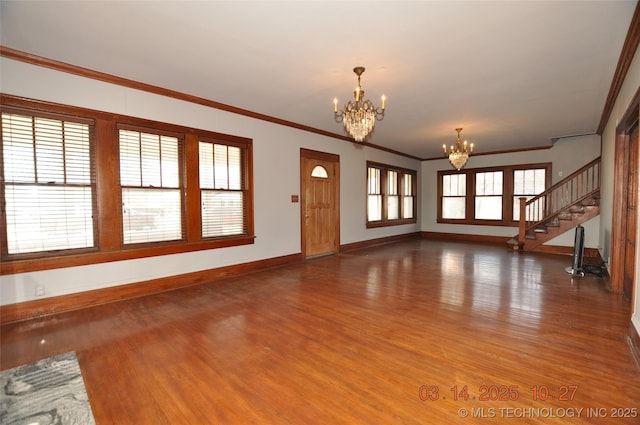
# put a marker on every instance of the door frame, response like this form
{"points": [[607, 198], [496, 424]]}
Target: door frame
{"points": [[619, 213], [322, 156]]}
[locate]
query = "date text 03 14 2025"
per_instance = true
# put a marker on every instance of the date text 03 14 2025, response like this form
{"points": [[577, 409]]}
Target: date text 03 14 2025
{"points": [[498, 393]]}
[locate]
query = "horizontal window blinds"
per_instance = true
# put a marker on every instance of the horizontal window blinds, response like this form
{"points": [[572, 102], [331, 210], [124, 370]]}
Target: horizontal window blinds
{"points": [[48, 183], [151, 189], [223, 192]]}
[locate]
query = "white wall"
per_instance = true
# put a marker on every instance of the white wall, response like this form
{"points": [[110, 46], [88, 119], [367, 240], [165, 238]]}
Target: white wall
{"points": [[627, 91], [276, 177], [566, 155]]}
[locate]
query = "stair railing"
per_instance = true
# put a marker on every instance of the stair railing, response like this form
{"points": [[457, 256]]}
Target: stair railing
{"points": [[559, 198]]}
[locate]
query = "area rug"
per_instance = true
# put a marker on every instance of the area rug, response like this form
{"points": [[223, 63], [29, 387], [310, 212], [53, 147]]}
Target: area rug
{"points": [[46, 392]]}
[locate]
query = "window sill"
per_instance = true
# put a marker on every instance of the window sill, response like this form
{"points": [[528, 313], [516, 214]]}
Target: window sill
{"points": [[500, 223], [9, 266], [375, 224]]}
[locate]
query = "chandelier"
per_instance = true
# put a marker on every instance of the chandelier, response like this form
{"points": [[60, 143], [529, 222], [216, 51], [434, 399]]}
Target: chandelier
{"points": [[360, 116], [459, 154]]}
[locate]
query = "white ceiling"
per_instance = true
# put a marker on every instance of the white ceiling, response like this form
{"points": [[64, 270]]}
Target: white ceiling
{"points": [[512, 74]]}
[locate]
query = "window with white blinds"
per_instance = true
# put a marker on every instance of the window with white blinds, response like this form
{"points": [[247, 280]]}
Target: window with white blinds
{"points": [[48, 183], [222, 190], [151, 186]]}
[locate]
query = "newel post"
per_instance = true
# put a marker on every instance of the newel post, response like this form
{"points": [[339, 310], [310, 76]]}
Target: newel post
{"points": [[523, 221]]}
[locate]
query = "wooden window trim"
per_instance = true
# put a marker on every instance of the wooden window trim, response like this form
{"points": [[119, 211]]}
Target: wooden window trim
{"points": [[109, 216], [384, 168], [507, 193]]}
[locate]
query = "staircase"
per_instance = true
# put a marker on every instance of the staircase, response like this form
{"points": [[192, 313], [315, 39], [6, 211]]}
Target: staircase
{"points": [[568, 203]]}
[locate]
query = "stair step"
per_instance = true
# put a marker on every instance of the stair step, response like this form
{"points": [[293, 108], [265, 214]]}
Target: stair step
{"points": [[563, 210], [513, 243]]}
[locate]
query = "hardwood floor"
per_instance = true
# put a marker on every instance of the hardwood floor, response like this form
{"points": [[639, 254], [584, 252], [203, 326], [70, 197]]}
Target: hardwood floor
{"points": [[383, 335]]}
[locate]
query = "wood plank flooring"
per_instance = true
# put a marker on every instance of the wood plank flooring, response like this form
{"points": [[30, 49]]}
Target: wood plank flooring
{"points": [[385, 335]]}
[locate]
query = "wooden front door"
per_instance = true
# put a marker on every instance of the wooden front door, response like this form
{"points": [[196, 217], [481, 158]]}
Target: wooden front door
{"points": [[320, 219], [631, 215]]}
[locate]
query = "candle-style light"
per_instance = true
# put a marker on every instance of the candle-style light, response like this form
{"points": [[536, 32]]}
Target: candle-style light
{"points": [[458, 154], [359, 116]]}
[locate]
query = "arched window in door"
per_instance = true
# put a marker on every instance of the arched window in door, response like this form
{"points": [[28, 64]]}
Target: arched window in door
{"points": [[319, 171]]}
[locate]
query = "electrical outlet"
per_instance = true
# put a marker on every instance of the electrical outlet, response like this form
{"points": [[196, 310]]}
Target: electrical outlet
{"points": [[40, 290]]}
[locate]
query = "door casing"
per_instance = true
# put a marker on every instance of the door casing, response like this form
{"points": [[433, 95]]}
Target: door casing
{"points": [[620, 216], [307, 158]]}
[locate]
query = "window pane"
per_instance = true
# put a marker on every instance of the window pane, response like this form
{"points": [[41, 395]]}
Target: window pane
{"points": [[320, 172], [392, 183], [148, 160], [49, 150], [489, 183], [206, 165], [540, 177], [481, 184], [454, 185], [235, 167], [497, 183], [518, 181], [453, 208], [169, 163], [393, 208], [408, 184], [374, 208], [46, 218], [151, 215], [221, 172], [373, 181], [489, 207], [18, 148], [407, 208], [77, 153], [130, 174], [222, 213]]}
